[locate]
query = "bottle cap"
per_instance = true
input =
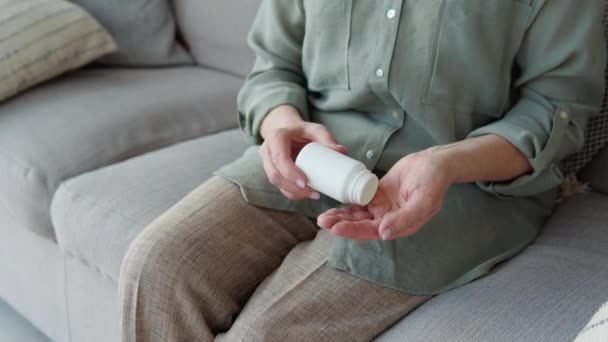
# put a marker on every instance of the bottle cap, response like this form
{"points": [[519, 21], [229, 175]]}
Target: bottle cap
{"points": [[364, 188]]}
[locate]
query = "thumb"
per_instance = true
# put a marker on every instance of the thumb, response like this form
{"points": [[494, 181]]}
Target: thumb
{"points": [[406, 220]]}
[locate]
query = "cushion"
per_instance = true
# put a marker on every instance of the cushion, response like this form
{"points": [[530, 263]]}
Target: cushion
{"points": [[96, 117], [545, 294], [597, 328], [596, 173], [596, 132], [98, 214], [145, 31], [40, 39], [216, 32]]}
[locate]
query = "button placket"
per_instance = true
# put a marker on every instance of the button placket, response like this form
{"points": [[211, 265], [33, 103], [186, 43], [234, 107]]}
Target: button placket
{"points": [[384, 50], [379, 81]]}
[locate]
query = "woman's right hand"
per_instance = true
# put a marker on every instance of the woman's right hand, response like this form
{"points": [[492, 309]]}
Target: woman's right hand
{"points": [[285, 134]]}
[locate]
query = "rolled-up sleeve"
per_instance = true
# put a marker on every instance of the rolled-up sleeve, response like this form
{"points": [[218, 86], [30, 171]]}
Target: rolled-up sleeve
{"points": [[277, 77], [560, 84]]}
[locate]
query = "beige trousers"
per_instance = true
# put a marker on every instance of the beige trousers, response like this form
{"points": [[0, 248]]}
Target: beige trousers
{"points": [[214, 267]]}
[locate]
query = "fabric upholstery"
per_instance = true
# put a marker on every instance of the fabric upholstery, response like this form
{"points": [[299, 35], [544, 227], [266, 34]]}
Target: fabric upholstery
{"points": [[91, 304], [96, 215], [40, 39], [597, 328], [546, 294], [216, 32], [64, 298], [596, 173], [97, 117], [596, 132], [145, 31], [32, 277]]}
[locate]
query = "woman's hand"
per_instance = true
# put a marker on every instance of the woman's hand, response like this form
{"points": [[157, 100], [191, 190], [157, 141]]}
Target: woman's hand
{"points": [[408, 196], [285, 133]]}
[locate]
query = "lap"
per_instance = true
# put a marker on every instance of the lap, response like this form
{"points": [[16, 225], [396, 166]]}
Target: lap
{"points": [[213, 246], [266, 267], [306, 300]]}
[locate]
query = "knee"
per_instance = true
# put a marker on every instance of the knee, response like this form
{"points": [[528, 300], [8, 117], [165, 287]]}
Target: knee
{"points": [[153, 259], [154, 288]]}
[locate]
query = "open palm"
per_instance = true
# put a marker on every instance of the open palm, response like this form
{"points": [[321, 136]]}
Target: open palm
{"points": [[408, 196]]}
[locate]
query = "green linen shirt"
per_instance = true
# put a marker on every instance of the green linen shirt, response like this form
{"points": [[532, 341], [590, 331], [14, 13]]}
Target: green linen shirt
{"points": [[392, 77]]}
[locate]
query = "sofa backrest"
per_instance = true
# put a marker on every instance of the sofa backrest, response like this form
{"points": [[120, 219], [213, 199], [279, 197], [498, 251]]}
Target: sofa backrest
{"points": [[596, 172], [216, 31], [596, 136]]}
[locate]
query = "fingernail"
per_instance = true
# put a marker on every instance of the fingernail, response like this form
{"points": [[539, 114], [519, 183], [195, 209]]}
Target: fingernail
{"points": [[322, 227], [315, 196], [343, 148], [300, 183], [386, 234]]}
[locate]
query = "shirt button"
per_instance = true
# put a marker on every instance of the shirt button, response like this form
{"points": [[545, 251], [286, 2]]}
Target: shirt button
{"points": [[380, 73], [564, 115], [391, 13], [396, 114], [370, 154]]}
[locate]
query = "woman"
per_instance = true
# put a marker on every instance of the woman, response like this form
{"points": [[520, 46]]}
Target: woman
{"points": [[463, 107]]}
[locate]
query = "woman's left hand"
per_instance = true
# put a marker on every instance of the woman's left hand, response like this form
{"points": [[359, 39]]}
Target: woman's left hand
{"points": [[408, 196]]}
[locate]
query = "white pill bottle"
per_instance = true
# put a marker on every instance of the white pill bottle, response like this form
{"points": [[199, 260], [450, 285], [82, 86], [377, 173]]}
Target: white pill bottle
{"points": [[340, 177]]}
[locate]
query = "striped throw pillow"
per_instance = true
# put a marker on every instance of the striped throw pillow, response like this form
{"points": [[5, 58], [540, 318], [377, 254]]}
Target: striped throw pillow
{"points": [[40, 39], [597, 329]]}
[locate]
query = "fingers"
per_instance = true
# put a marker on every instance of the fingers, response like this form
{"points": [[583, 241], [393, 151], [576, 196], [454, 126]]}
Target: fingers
{"points": [[326, 221], [339, 148], [280, 155], [380, 204], [278, 161], [349, 209], [353, 222], [291, 189], [290, 195], [408, 219], [350, 214], [359, 230], [320, 134], [396, 224]]}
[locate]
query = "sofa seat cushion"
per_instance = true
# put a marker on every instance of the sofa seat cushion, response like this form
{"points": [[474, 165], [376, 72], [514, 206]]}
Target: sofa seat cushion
{"points": [[547, 293], [98, 214], [96, 117]]}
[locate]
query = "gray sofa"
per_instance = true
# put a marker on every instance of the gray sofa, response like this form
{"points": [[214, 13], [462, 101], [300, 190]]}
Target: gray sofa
{"points": [[89, 159]]}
